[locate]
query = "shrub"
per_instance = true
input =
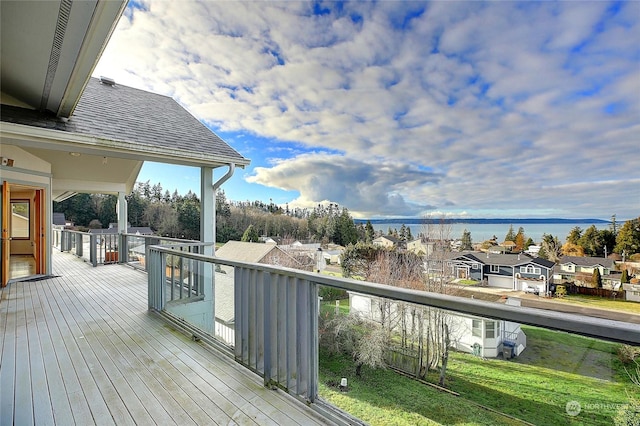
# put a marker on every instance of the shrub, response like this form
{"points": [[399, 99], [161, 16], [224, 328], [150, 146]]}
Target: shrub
{"points": [[330, 293], [627, 353]]}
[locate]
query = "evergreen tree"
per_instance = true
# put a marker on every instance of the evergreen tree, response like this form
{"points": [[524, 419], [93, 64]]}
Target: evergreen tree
{"points": [[596, 279], [519, 239], [403, 233], [370, 233], [574, 235], [529, 243], [628, 238], [409, 236], [624, 279], [250, 235], [511, 236], [590, 242], [466, 240], [345, 231]]}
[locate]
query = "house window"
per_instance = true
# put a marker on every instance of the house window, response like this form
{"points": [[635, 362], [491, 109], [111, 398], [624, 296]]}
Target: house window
{"points": [[476, 328], [530, 269], [20, 220], [495, 268], [474, 266], [490, 329]]}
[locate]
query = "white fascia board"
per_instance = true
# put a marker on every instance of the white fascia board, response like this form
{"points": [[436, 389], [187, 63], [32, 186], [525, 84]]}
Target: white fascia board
{"points": [[38, 137]]}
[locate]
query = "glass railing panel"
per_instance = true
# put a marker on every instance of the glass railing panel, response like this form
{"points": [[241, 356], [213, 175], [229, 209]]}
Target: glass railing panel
{"points": [[410, 364]]}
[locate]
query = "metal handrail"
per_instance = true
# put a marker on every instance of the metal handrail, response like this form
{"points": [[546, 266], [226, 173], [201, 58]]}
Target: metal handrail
{"points": [[600, 328]]}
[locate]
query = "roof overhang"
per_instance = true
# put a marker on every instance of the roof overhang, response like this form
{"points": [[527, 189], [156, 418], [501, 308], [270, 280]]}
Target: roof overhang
{"points": [[86, 164], [50, 48]]}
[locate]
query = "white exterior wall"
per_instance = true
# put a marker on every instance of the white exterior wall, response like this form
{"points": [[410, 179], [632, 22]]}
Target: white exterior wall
{"points": [[460, 326], [632, 292]]}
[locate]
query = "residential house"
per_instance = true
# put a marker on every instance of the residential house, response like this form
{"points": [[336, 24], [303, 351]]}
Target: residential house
{"points": [[468, 333], [421, 247], [632, 292], [579, 270], [269, 254], [386, 241], [64, 133], [508, 271]]}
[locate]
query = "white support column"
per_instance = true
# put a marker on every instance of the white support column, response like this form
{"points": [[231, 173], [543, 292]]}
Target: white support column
{"points": [[207, 209], [121, 207]]}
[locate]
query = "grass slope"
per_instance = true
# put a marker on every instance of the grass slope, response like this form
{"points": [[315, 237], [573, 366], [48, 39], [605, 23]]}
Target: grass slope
{"points": [[556, 368]]}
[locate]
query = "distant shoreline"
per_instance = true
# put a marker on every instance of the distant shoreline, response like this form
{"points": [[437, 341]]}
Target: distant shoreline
{"points": [[417, 221]]}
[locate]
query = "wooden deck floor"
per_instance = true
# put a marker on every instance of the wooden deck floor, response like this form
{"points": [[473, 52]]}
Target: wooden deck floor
{"points": [[82, 348]]}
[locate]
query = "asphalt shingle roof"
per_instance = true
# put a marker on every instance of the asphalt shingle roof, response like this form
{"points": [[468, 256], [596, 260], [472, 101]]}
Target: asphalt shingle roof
{"points": [[587, 261], [125, 114]]}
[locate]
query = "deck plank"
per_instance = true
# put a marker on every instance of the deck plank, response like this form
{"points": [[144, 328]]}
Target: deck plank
{"points": [[42, 410], [8, 357], [60, 407], [89, 352]]}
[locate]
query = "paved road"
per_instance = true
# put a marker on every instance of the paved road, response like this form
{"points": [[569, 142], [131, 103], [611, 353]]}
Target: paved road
{"points": [[532, 301], [576, 309]]}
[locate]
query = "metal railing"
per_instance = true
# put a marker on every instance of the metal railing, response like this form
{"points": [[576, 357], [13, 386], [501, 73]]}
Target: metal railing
{"points": [[276, 313], [96, 249]]}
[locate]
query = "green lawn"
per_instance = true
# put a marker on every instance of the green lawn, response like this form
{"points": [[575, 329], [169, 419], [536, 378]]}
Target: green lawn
{"points": [[600, 302], [330, 307], [554, 369]]}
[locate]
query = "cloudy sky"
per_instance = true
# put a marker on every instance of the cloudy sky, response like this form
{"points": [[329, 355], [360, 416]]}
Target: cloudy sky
{"points": [[395, 108]]}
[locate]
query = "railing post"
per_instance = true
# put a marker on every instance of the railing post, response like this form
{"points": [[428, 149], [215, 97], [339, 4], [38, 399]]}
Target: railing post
{"points": [[156, 279], [78, 240], [123, 249], [93, 242], [63, 240]]}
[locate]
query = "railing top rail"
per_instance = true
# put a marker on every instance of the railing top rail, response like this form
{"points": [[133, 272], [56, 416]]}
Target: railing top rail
{"points": [[73, 231], [157, 237], [584, 325]]}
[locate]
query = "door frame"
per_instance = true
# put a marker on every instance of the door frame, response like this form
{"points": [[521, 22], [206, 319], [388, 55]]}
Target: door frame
{"points": [[5, 248], [37, 216]]}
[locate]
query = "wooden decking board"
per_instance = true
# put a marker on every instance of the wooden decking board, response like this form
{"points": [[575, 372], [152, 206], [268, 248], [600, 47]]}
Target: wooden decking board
{"points": [[60, 408], [42, 409], [140, 384], [23, 395], [94, 354], [8, 358], [83, 361], [155, 357], [70, 385], [138, 350]]}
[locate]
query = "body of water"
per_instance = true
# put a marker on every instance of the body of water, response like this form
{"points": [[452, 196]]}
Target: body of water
{"points": [[485, 231]]}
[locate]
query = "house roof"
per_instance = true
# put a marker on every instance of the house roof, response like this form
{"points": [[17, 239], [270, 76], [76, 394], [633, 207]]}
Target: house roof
{"points": [[587, 261], [389, 238], [497, 259], [245, 252], [539, 261], [135, 124], [49, 49], [59, 219]]}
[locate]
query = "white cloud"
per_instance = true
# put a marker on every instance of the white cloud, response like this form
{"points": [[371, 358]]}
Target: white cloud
{"points": [[498, 100]]}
